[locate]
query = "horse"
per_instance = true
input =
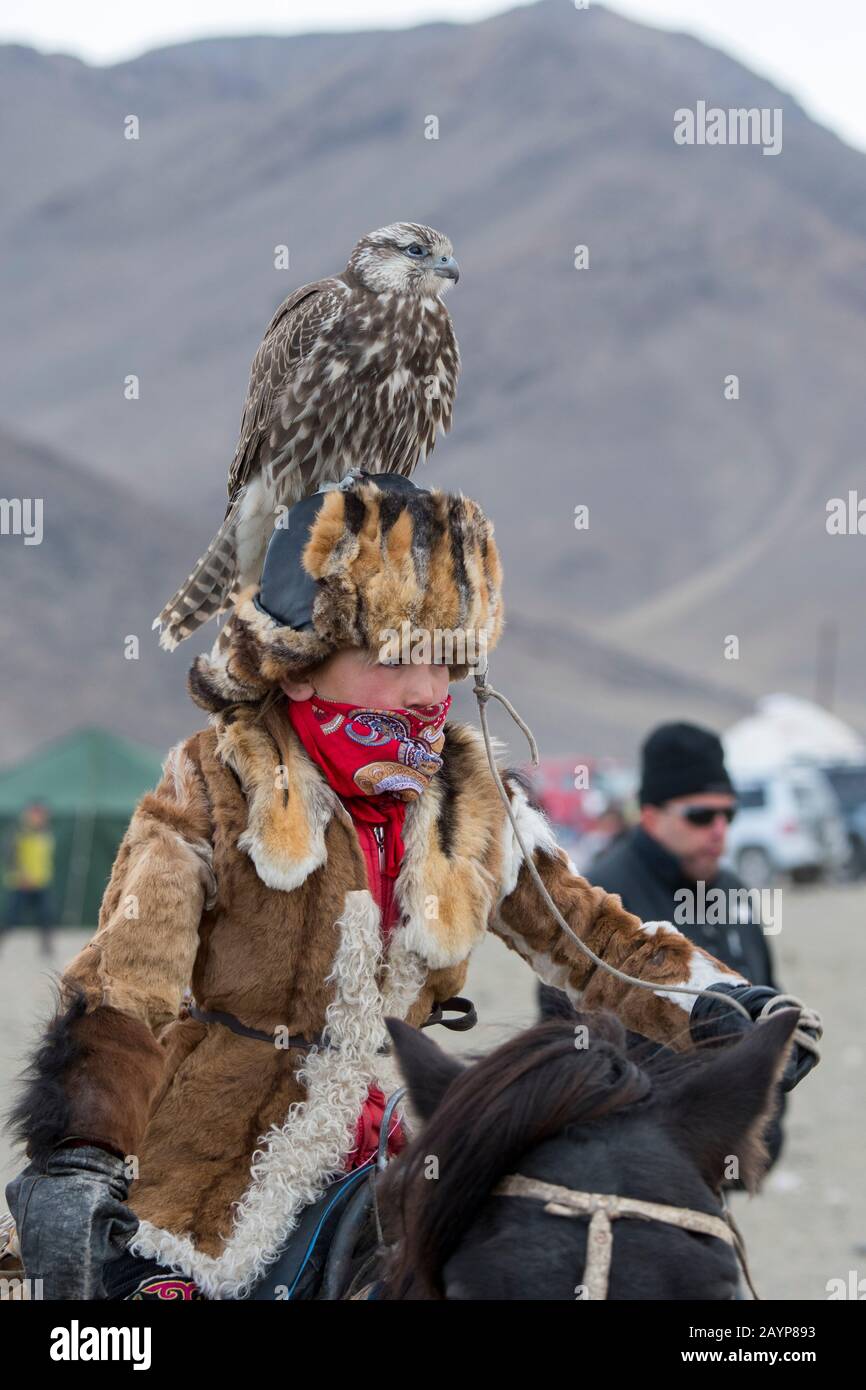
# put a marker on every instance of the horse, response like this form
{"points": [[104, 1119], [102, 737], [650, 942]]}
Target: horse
{"points": [[576, 1161], [529, 1157]]}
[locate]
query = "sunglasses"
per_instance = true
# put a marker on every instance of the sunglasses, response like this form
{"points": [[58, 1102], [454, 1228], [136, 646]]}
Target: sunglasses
{"points": [[705, 815]]}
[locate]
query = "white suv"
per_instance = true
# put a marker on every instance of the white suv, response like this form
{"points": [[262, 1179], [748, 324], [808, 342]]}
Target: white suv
{"points": [[787, 822]]}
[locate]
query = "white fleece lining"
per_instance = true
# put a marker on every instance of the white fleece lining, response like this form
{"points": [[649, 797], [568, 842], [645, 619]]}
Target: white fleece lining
{"points": [[405, 975], [312, 1145]]}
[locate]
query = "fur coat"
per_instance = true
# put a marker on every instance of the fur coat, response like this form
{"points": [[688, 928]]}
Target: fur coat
{"points": [[241, 876]]}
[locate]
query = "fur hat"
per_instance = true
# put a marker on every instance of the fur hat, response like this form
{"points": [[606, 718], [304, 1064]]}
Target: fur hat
{"points": [[374, 563]]}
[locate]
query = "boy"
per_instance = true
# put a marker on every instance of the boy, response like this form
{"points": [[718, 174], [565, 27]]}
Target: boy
{"points": [[327, 853]]}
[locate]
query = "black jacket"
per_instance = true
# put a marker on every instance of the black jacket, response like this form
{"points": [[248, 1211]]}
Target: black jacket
{"points": [[646, 876]]}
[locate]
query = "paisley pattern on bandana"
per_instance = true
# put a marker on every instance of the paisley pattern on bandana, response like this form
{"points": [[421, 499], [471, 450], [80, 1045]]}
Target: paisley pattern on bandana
{"points": [[376, 760], [408, 744], [412, 740]]}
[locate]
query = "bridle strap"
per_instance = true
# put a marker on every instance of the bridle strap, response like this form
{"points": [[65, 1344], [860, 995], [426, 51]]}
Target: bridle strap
{"points": [[599, 1250], [605, 1207], [570, 1203], [740, 1247]]}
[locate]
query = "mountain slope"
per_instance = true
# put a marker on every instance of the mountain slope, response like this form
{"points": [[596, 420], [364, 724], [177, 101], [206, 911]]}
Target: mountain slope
{"points": [[93, 583], [602, 387], [74, 601]]}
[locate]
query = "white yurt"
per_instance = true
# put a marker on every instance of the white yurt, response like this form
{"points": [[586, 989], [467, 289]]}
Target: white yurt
{"points": [[786, 729]]}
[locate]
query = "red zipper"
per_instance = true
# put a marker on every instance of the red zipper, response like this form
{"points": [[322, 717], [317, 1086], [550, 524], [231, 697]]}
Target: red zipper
{"points": [[379, 832], [386, 887]]}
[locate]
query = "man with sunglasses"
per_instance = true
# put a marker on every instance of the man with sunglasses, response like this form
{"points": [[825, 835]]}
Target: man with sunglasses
{"points": [[687, 803], [671, 861]]}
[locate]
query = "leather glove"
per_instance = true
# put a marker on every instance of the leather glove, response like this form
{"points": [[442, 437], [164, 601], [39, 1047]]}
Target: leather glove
{"points": [[71, 1219], [712, 1021]]}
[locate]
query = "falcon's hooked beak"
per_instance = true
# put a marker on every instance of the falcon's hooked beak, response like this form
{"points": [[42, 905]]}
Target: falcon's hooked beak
{"points": [[448, 268]]}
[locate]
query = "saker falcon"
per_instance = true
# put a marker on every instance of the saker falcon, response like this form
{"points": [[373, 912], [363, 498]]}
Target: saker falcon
{"points": [[357, 371]]}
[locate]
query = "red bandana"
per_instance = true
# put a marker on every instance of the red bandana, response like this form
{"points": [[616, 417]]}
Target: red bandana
{"points": [[375, 759]]}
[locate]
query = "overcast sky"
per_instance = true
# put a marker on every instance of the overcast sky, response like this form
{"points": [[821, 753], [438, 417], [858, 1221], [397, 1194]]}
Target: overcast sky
{"points": [[817, 51]]}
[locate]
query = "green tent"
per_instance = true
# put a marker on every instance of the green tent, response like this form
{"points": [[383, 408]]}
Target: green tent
{"points": [[90, 781]]}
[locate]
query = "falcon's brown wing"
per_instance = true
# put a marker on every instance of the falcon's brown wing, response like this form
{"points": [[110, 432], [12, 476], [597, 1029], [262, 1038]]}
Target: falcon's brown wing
{"points": [[288, 338]]}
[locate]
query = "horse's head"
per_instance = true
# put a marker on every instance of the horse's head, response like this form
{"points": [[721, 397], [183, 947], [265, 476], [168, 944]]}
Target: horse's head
{"points": [[570, 1103]]}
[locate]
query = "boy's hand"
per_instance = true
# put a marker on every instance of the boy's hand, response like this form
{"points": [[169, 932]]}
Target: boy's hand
{"points": [[712, 1020]]}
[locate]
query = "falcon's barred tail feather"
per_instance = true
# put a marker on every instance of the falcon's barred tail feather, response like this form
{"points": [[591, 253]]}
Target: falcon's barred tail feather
{"points": [[208, 590], [225, 635]]}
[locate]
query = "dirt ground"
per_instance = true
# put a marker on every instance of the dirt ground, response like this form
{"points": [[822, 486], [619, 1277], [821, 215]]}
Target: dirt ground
{"points": [[808, 1225]]}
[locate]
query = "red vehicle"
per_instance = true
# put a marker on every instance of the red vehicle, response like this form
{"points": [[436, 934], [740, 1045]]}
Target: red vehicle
{"points": [[574, 794]]}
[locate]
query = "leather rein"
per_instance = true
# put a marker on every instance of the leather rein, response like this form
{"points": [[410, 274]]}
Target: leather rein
{"points": [[467, 1018], [600, 1206]]}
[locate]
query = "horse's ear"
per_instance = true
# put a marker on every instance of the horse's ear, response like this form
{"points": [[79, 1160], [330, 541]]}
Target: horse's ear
{"points": [[426, 1069], [721, 1108]]}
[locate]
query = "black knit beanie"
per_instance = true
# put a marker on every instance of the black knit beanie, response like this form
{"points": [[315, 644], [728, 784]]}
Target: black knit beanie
{"points": [[679, 760]]}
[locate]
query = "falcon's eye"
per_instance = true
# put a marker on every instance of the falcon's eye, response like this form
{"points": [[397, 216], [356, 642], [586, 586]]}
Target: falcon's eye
{"points": [[415, 250]]}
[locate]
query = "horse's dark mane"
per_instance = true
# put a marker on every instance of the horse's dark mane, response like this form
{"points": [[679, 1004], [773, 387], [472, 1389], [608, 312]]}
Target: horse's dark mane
{"points": [[522, 1094]]}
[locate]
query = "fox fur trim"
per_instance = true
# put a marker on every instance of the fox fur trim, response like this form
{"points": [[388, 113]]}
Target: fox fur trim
{"points": [[425, 569]]}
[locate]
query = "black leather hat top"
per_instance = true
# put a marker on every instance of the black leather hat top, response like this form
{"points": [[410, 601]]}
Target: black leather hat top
{"points": [[287, 591]]}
